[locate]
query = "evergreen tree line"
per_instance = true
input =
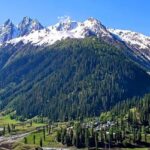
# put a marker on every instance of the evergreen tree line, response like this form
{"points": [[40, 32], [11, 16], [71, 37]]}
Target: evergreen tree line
{"points": [[136, 110], [120, 135]]}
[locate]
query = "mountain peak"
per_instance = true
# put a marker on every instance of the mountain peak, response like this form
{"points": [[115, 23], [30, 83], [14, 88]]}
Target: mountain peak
{"points": [[8, 22], [94, 22], [65, 24], [65, 19], [92, 19], [97, 27], [26, 20], [7, 31], [27, 25]]}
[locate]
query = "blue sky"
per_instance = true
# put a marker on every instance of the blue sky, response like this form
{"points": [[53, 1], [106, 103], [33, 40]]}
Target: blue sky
{"points": [[123, 14]]}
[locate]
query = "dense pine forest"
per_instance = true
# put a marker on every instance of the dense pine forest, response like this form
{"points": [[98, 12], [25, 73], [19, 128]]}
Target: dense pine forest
{"points": [[68, 80], [136, 111]]}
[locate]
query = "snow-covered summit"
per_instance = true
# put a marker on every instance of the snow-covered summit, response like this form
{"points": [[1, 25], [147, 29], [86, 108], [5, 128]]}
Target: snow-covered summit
{"points": [[27, 25], [9, 31], [65, 24]]}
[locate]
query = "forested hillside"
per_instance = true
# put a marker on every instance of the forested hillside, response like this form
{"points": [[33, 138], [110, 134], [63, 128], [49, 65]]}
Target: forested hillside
{"points": [[70, 79], [136, 111], [126, 125]]}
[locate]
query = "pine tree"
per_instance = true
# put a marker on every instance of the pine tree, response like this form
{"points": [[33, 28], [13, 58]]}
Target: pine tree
{"points": [[8, 128], [4, 130], [58, 136], [34, 139], [44, 136], [96, 140], [41, 142], [86, 138], [31, 123], [145, 137], [25, 140], [139, 136]]}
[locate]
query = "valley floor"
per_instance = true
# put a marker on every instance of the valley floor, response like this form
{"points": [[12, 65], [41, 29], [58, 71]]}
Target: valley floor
{"points": [[29, 135]]}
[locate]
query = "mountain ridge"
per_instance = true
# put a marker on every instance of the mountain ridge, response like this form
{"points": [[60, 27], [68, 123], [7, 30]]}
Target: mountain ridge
{"points": [[67, 24]]}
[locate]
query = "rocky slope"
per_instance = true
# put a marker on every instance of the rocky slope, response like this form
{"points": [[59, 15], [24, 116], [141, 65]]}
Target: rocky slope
{"points": [[138, 43], [9, 31]]}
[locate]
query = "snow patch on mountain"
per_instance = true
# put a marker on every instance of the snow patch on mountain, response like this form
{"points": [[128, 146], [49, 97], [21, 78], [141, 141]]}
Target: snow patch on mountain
{"points": [[138, 42], [133, 38]]}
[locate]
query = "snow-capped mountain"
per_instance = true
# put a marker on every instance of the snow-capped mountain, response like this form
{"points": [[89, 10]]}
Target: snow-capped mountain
{"points": [[27, 25], [63, 30], [9, 31], [29, 30]]}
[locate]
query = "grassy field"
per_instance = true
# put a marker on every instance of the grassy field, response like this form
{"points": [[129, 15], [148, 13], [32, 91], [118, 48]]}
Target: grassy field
{"points": [[24, 127], [20, 127], [49, 141], [5, 120]]}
